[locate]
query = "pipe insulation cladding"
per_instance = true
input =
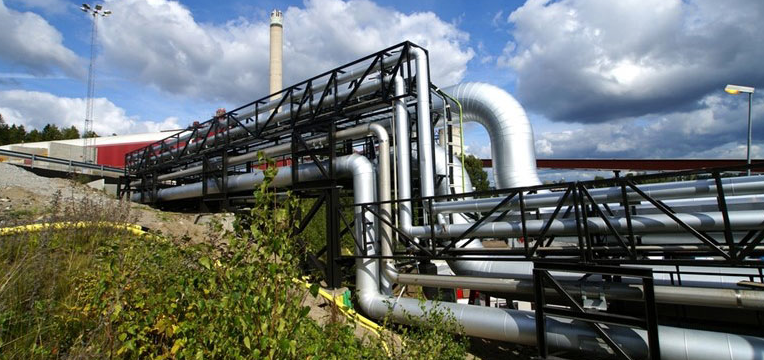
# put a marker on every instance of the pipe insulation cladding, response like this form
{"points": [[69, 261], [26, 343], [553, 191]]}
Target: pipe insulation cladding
{"points": [[512, 146]]}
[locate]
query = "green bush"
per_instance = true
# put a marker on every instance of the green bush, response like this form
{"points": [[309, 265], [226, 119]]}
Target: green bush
{"points": [[102, 292]]}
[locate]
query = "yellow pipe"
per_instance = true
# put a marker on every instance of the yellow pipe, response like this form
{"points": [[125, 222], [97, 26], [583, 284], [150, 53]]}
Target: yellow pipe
{"points": [[133, 228], [350, 313]]}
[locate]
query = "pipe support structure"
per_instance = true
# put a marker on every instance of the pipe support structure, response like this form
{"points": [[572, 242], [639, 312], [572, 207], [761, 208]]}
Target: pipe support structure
{"points": [[345, 77]]}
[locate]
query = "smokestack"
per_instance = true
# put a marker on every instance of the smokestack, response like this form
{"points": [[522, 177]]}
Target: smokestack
{"points": [[277, 29]]}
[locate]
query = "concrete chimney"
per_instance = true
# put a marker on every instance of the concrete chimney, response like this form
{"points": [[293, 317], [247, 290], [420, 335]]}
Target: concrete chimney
{"points": [[277, 30]]}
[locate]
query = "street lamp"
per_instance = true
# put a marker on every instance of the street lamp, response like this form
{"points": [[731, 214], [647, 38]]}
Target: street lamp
{"points": [[87, 132], [734, 90]]}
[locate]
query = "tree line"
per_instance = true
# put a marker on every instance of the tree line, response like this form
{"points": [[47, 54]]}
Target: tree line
{"points": [[14, 134]]}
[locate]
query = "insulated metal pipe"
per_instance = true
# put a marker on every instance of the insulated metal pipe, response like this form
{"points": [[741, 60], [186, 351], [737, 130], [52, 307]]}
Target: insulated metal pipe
{"points": [[517, 276], [512, 146], [643, 224], [673, 190], [286, 148], [519, 326], [424, 125], [404, 156], [245, 181], [681, 295]]}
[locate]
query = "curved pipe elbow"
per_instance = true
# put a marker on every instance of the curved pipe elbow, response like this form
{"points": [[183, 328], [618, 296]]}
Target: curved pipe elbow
{"points": [[512, 144]]}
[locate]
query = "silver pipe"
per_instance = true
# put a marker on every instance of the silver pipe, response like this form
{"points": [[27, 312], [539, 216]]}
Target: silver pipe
{"points": [[657, 223], [277, 150], [672, 190], [512, 146], [712, 297], [519, 327], [424, 127], [243, 182], [520, 271], [383, 195], [404, 156]]}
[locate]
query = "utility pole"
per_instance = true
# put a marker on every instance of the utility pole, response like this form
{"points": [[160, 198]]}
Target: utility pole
{"points": [[87, 131]]}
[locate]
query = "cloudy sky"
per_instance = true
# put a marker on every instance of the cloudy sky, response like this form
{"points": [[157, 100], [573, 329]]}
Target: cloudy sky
{"points": [[598, 78]]}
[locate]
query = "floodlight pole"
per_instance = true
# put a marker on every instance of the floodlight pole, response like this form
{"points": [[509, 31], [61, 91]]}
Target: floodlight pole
{"points": [[748, 152], [87, 131]]}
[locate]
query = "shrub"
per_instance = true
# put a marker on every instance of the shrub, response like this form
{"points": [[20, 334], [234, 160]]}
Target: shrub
{"points": [[103, 292]]}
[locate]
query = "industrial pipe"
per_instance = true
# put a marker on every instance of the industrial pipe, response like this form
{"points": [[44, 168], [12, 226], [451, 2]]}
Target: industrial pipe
{"points": [[511, 134], [671, 190]]}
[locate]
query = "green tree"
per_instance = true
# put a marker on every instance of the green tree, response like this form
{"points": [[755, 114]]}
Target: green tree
{"points": [[51, 132], [17, 134], [90, 134], [33, 136], [70, 133], [474, 168], [5, 131]]}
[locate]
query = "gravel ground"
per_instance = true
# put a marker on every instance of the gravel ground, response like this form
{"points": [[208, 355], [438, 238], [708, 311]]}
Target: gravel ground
{"points": [[14, 176], [26, 197]]}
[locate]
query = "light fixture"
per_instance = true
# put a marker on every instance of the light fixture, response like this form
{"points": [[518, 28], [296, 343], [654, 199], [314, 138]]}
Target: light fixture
{"points": [[734, 90], [737, 89]]}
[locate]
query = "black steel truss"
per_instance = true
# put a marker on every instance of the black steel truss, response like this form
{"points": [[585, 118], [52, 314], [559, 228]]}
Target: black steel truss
{"points": [[571, 308], [317, 107], [577, 203]]}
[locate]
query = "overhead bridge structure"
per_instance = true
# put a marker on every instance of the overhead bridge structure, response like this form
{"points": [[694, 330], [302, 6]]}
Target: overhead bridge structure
{"points": [[664, 266]]}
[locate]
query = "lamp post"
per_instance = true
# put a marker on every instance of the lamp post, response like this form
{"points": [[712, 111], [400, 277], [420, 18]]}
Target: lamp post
{"points": [[734, 90], [87, 131]]}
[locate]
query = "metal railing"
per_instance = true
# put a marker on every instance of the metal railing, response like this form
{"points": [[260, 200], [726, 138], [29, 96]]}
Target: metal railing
{"points": [[70, 163]]}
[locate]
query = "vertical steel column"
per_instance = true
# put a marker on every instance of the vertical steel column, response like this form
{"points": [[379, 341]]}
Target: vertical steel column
{"points": [[722, 202], [651, 318], [538, 287], [333, 272]]}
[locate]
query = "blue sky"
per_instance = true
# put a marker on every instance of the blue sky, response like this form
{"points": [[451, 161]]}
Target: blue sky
{"points": [[598, 78]]}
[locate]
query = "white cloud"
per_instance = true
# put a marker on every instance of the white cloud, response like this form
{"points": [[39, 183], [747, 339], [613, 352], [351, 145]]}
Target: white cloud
{"points": [[159, 42], [732, 150], [544, 147], [598, 60], [36, 109], [29, 42], [46, 6], [717, 128]]}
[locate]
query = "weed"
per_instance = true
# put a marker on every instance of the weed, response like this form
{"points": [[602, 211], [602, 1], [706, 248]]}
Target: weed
{"points": [[100, 292]]}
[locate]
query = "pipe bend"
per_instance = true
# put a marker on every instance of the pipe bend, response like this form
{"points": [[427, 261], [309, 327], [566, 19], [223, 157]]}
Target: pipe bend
{"points": [[379, 131], [512, 144]]}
